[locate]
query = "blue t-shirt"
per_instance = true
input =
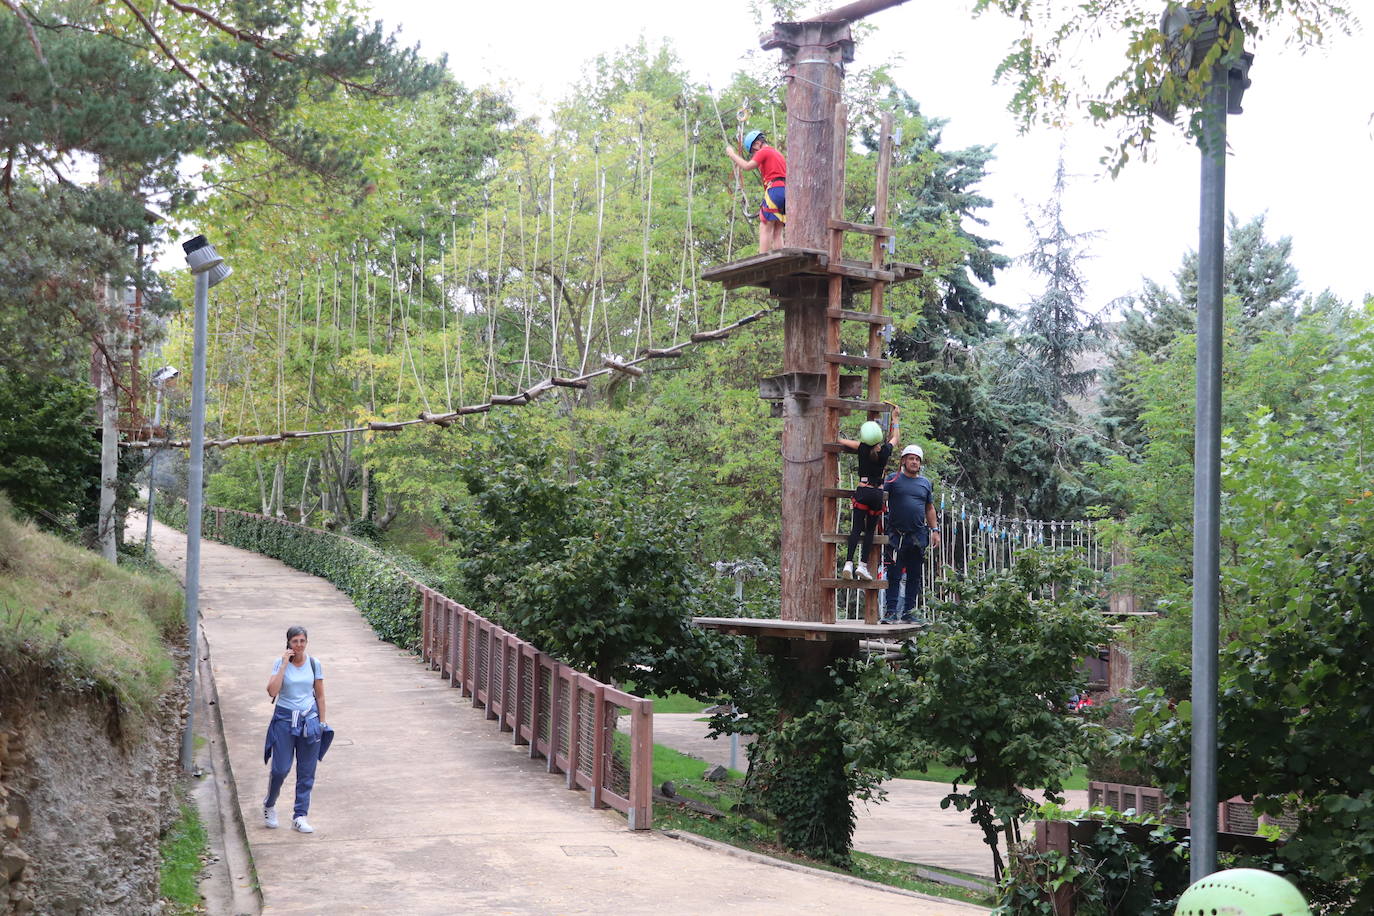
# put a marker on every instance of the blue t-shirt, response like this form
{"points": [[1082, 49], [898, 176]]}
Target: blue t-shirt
{"points": [[298, 684], [907, 500]]}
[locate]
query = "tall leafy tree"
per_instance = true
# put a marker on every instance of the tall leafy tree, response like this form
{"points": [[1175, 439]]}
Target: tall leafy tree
{"points": [[1258, 277], [126, 93]]}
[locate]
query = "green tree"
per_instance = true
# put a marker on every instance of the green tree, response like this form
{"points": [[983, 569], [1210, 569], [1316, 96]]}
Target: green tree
{"points": [[986, 690], [600, 568], [1299, 612], [137, 94], [1046, 65], [1056, 331], [49, 454]]}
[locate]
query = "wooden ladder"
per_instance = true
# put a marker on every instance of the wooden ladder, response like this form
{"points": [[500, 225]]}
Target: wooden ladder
{"points": [[835, 360]]}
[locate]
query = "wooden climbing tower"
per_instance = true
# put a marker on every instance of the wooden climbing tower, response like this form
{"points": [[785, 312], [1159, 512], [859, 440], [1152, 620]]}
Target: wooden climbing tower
{"points": [[817, 288]]}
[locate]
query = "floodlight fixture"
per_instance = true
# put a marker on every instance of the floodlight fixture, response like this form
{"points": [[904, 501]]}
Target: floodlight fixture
{"points": [[165, 375], [201, 257]]}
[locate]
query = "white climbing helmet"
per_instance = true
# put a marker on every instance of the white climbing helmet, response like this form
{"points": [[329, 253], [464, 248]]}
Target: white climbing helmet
{"points": [[914, 450]]}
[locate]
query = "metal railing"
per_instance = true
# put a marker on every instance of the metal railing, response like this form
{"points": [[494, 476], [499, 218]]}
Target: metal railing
{"points": [[599, 737], [570, 719], [976, 541]]}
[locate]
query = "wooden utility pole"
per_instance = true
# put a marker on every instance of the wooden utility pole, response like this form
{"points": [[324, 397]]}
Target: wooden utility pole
{"points": [[814, 54], [814, 285]]}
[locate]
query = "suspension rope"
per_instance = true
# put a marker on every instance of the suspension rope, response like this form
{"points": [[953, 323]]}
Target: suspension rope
{"points": [[445, 419]]}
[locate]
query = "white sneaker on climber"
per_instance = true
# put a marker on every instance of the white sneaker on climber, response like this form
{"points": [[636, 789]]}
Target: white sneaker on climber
{"points": [[862, 572], [848, 571]]}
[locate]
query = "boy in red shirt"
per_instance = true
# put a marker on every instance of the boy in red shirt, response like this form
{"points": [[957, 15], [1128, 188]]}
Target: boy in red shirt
{"points": [[773, 170]]}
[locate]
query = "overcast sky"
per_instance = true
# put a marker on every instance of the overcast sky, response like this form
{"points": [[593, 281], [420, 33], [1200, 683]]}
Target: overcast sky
{"points": [[1301, 152]]}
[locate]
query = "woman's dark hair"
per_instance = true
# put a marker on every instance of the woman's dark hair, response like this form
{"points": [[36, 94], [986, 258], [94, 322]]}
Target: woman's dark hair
{"points": [[292, 632]]}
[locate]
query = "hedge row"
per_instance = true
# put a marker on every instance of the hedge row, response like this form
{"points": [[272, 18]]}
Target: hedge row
{"points": [[379, 584]]}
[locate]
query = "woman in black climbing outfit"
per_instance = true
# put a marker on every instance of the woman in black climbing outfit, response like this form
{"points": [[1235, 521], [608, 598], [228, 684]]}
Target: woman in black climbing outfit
{"points": [[868, 494]]}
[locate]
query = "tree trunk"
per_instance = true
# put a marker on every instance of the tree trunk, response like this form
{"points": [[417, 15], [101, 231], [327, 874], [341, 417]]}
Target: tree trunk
{"points": [[279, 489], [109, 462], [365, 511], [305, 489], [264, 499], [393, 509]]}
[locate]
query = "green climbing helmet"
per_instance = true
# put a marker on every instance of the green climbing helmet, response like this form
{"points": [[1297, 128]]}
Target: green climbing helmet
{"points": [[870, 433], [749, 139], [1242, 892]]}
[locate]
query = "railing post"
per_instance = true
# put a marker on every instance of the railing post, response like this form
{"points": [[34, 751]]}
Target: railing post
{"points": [[538, 701], [424, 626], [493, 676], [599, 736], [464, 651], [521, 695], [641, 765], [574, 728], [455, 629], [555, 702]]}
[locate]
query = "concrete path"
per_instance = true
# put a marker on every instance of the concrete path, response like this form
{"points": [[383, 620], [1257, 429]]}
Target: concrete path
{"points": [[423, 807], [909, 825]]}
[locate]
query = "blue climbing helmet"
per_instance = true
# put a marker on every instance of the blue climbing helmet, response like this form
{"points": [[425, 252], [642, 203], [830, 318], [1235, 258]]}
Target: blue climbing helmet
{"points": [[1242, 892], [870, 433], [749, 139]]}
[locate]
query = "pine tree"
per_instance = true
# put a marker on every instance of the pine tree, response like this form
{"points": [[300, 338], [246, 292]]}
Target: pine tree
{"points": [[1056, 332]]}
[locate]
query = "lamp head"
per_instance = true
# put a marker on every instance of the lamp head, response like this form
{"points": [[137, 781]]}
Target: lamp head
{"points": [[202, 257], [165, 375]]}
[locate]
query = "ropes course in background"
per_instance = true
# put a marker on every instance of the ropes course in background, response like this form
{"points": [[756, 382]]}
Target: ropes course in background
{"points": [[415, 335], [627, 367]]}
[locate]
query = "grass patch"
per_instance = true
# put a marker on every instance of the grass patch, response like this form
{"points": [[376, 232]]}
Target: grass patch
{"points": [[681, 768], [80, 622], [183, 850], [673, 702], [747, 833]]}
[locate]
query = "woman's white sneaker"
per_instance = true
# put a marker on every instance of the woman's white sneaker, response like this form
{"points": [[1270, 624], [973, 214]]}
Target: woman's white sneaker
{"points": [[302, 825], [269, 817]]}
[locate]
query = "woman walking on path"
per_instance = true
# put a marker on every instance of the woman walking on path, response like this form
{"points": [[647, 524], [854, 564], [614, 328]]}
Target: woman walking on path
{"points": [[297, 686]]}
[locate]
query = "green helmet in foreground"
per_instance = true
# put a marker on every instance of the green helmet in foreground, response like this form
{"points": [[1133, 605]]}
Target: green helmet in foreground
{"points": [[870, 433], [1242, 892]]}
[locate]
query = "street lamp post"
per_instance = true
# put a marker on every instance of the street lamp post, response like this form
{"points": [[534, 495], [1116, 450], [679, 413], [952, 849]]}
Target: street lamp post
{"points": [[1190, 32], [160, 379], [209, 269]]}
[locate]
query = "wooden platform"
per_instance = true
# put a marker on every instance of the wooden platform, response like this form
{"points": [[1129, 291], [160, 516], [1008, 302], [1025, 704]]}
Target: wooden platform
{"points": [[763, 269], [803, 629]]}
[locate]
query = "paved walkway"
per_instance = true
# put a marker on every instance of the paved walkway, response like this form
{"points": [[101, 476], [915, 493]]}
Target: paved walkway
{"points": [[909, 825], [423, 807]]}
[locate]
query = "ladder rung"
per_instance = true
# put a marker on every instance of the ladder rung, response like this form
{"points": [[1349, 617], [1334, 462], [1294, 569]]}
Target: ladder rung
{"points": [[860, 272], [872, 362], [852, 404], [853, 583], [852, 315], [866, 229], [837, 538]]}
